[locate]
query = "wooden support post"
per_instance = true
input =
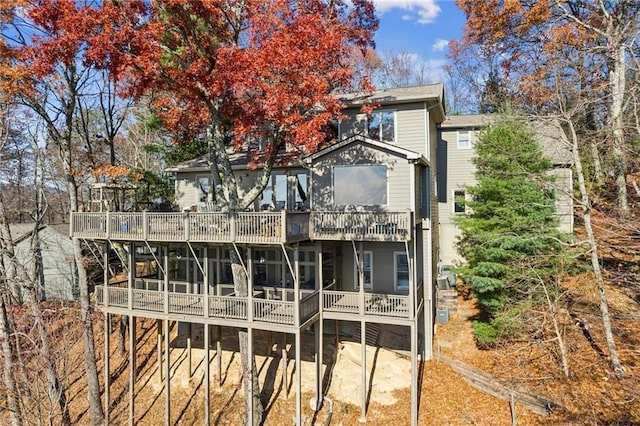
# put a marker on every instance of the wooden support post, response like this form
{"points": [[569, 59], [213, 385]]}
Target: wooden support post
{"points": [[159, 345], [248, 381], [132, 368], [363, 363], [318, 342], [167, 375], [219, 353], [107, 373], [189, 334], [207, 386], [298, 378], [285, 378], [414, 375]]}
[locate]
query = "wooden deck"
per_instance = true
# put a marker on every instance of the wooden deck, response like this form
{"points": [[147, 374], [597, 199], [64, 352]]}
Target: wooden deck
{"points": [[244, 227], [229, 307], [340, 303], [361, 226]]}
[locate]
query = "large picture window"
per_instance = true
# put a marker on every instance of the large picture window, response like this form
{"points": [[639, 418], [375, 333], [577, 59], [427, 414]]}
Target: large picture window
{"points": [[204, 182], [382, 126], [401, 270], [363, 185]]}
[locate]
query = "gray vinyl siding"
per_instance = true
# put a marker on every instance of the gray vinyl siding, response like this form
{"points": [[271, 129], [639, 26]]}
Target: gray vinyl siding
{"points": [[383, 265], [410, 126], [398, 175], [564, 200], [460, 172]]}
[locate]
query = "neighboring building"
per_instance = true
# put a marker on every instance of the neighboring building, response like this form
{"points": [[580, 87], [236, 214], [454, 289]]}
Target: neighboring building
{"points": [[56, 251], [456, 172]]}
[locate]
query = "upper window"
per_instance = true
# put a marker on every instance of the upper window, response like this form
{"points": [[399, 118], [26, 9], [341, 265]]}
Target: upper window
{"points": [[274, 195], [204, 183], [364, 185], [382, 126], [401, 270], [459, 201], [464, 139]]}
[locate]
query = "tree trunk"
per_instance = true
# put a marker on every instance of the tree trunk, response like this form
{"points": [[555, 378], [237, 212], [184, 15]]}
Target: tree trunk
{"points": [[8, 254], [249, 375], [617, 80], [55, 389], [585, 205], [9, 380], [122, 332]]}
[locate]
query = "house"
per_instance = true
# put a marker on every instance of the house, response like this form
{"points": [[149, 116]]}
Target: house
{"points": [[457, 136], [346, 240], [55, 249]]}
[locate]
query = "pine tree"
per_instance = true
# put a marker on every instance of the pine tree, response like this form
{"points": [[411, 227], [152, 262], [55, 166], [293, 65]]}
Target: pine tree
{"points": [[509, 234]]}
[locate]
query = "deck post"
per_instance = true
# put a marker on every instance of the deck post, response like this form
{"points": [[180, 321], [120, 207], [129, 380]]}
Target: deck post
{"points": [[205, 289], [318, 358], [363, 363], [360, 257], [414, 375], [298, 379], [107, 224], [167, 375], [107, 373], [159, 345], [132, 368], [166, 281], [248, 381], [218, 352], [284, 366], [105, 262], [189, 334], [249, 286], [131, 276], [207, 385]]}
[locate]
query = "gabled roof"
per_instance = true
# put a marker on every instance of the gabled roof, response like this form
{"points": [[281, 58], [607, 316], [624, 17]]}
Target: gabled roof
{"points": [[364, 140], [433, 94]]}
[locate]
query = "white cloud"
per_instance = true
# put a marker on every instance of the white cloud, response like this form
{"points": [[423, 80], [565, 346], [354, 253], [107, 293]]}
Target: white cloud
{"points": [[426, 10], [440, 45]]}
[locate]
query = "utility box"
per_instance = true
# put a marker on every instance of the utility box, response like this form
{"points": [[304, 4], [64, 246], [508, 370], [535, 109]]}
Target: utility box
{"points": [[443, 283], [443, 316]]}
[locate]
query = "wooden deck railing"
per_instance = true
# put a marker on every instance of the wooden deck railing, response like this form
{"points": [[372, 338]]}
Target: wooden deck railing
{"points": [[242, 227], [223, 307], [370, 226], [375, 304]]}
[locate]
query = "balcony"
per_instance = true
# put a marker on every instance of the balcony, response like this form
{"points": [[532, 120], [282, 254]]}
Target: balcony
{"points": [[383, 306], [244, 227], [269, 307], [362, 226]]}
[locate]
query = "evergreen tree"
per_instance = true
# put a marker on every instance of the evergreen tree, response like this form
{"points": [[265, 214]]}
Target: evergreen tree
{"points": [[509, 234]]}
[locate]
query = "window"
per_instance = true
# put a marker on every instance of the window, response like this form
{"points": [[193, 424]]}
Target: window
{"points": [[459, 201], [464, 140], [302, 187], [204, 182], [364, 185], [401, 270], [381, 126], [274, 196], [367, 268]]}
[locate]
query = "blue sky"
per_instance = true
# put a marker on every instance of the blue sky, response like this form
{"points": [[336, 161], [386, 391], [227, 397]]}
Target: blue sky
{"points": [[419, 27]]}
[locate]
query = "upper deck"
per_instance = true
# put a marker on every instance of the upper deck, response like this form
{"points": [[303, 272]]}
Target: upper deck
{"points": [[243, 227]]}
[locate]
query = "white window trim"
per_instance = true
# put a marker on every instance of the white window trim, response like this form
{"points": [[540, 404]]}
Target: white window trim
{"points": [[468, 146], [395, 124], [395, 271], [356, 274]]}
